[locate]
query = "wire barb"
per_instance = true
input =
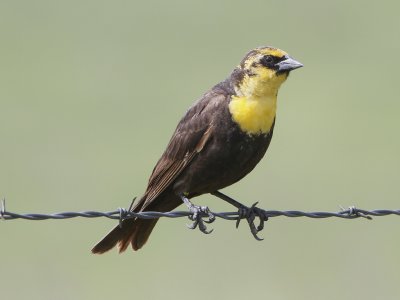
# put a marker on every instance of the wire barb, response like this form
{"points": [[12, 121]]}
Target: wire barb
{"points": [[354, 212], [3, 209], [124, 214], [131, 205]]}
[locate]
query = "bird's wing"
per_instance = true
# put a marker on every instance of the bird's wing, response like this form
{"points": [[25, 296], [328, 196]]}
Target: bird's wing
{"points": [[189, 138]]}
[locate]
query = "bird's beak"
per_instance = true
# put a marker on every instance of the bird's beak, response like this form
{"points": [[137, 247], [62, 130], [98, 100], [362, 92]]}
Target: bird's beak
{"points": [[288, 64]]}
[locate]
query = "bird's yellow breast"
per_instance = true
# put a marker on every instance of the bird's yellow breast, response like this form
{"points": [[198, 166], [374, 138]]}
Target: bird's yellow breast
{"points": [[253, 115], [253, 107]]}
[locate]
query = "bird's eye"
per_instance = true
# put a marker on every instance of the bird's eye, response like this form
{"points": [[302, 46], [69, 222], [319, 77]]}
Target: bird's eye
{"points": [[267, 60]]}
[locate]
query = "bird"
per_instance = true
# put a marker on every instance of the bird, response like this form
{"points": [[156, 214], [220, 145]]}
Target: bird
{"points": [[219, 140]]}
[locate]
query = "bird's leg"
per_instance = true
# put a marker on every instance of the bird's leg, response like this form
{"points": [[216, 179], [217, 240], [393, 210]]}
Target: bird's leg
{"points": [[197, 214], [248, 213]]}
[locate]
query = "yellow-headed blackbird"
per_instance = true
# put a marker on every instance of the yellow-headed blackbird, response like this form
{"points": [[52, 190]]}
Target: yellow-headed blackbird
{"points": [[219, 140]]}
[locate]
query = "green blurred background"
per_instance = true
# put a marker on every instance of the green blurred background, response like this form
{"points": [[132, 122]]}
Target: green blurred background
{"points": [[90, 94]]}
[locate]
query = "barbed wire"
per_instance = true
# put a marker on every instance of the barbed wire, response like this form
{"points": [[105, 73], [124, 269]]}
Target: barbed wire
{"points": [[121, 214], [248, 213]]}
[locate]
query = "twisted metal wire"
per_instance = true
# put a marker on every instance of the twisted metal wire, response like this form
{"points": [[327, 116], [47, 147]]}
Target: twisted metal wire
{"points": [[122, 214]]}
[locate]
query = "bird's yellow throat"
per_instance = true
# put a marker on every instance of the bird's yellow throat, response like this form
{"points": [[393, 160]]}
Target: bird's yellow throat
{"points": [[254, 106]]}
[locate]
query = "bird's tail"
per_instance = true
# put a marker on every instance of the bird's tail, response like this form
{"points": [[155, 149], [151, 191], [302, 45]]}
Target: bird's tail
{"points": [[136, 231], [132, 231]]}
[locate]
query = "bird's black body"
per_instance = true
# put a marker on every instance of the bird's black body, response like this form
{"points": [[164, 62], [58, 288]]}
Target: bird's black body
{"points": [[207, 152], [230, 153]]}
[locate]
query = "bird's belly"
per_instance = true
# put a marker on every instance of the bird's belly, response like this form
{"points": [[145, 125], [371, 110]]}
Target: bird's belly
{"points": [[225, 160]]}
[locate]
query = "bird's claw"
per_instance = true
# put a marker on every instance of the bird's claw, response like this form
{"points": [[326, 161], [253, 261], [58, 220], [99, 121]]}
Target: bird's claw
{"points": [[250, 214], [197, 214]]}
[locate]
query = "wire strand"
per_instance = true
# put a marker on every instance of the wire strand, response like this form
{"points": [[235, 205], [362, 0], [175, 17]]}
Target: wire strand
{"points": [[121, 214]]}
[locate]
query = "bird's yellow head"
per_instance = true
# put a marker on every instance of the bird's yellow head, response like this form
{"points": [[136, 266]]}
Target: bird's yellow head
{"points": [[263, 70], [256, 81]]}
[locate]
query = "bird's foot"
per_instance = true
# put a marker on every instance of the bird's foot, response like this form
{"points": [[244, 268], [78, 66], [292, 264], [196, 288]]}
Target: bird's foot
{"points": [[250, 214], [197, 213]]}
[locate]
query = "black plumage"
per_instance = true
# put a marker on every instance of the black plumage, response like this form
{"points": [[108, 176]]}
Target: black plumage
{"points": [[207, 152]]}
